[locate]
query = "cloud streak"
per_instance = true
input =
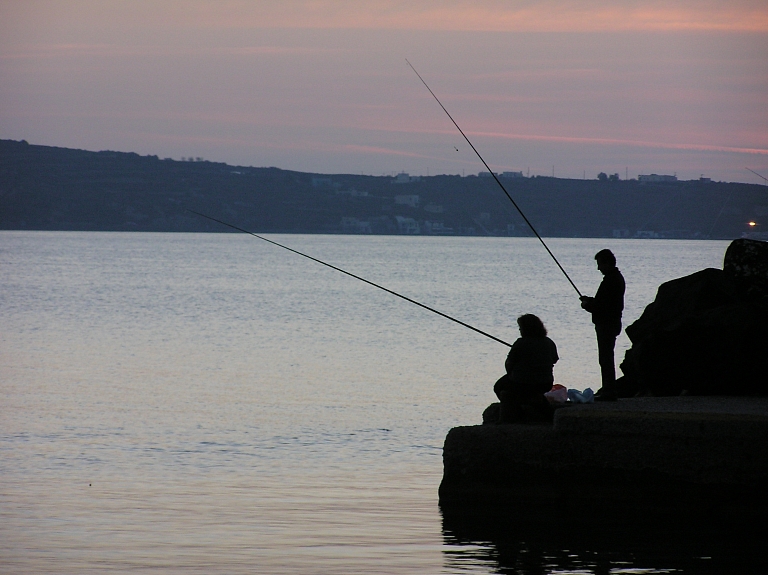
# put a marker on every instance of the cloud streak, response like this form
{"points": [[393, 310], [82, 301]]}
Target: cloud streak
{"points": [[101, 50], [446, 15], [473, 134], [633, 143], [494, 15]]}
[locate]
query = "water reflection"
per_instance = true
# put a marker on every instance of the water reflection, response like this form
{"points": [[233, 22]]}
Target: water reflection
{"points": [[493, 540]]}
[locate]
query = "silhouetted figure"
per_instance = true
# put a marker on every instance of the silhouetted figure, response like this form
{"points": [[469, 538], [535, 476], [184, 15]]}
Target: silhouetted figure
{"points": [[606, 308], [529, 373]]}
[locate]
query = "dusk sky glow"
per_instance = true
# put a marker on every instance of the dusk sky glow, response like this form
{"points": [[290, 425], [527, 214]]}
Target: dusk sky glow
{"points": [[323, 86]]}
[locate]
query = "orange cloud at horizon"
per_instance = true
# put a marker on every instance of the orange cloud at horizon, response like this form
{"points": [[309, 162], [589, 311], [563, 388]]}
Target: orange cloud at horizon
{"points": [[634, 143], [427, 15], [487, 15], [589, 140]]}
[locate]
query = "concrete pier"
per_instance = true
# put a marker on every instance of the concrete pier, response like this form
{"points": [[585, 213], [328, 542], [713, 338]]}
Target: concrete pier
{"points": [[634, 453]]}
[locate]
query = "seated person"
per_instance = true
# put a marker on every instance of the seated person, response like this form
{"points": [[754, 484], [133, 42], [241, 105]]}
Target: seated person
{"points": [[529, 373]]}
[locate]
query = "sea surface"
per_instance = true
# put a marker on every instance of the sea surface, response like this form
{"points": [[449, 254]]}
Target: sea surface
{"points": [[212, 403]]}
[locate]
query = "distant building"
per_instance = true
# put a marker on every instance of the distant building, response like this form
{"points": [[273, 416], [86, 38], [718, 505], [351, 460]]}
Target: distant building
{"points": [[352, 192], [512, 175], [437, 229], [407, 225], [407, 200], [486, 174], [404, 178], [355, 226], [656, 178], [434, 209]]}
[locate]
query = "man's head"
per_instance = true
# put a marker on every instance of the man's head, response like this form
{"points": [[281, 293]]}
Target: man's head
{"points": [[606, 261]]}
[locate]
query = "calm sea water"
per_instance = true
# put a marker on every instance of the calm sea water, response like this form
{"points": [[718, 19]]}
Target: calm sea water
{"points": [[199, 403]]}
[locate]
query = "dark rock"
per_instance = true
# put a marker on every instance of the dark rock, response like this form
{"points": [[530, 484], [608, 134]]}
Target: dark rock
{"points": [[706, 333], [491, 414], [626, 386], [681, 298], [746, 262]]}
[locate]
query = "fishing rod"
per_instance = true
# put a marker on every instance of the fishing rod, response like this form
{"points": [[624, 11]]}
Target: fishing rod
{"points": [[274, 243], [754, 172], [487, 167]]}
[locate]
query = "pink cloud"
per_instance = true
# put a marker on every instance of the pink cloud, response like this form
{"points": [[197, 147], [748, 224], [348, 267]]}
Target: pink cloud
{"points": [[484, 15], [584, 140], [633, 143], [465, 15]]}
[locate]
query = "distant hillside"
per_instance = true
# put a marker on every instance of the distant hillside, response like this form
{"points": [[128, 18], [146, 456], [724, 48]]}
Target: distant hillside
{"points": [[48, 188]]}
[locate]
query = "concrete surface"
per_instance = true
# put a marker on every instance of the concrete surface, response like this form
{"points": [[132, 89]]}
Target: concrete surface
{"points": [[664, 448]]}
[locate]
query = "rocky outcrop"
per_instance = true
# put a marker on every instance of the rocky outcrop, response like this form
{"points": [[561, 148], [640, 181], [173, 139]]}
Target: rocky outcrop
{"points": [[706, 333], [746, 261]]}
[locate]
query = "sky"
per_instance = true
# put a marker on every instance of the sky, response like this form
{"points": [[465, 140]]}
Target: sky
{"points": [[564, 87]]}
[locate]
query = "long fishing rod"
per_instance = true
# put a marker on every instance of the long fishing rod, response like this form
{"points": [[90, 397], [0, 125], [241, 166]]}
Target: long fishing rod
{"points": [[754, 172], [487, 167], [274, 243]]}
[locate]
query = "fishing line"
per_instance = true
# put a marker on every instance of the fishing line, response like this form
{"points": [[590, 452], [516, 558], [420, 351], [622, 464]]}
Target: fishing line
{"points": [[530, 225], [426, 307], [758, 175]]}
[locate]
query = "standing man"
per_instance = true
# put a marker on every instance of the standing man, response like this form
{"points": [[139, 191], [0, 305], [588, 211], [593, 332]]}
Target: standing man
{"points": [[606, 308]]}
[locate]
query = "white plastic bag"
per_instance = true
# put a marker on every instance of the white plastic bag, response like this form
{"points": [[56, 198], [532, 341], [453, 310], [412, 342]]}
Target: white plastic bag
{"points": [[558, 394]]}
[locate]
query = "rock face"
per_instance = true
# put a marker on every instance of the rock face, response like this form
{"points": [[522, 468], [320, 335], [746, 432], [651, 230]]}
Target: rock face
{"points": [[747, 261], [706, 333]]}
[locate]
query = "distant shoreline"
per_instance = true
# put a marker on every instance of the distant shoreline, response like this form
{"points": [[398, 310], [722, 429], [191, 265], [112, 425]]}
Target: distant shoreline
{"points": [[228, 232], [58, 189]]}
